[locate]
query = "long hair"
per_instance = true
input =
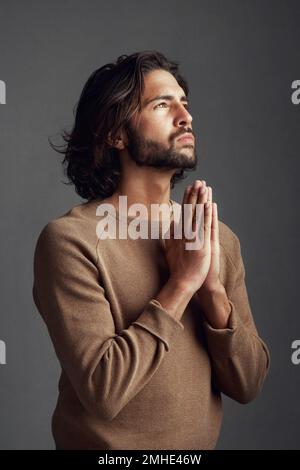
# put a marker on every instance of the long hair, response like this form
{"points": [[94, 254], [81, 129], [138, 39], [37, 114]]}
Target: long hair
{"points": [[109, 99]]}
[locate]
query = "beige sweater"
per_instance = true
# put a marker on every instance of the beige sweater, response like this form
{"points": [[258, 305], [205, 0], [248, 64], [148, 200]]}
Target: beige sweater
{"points": [[133, 377]]}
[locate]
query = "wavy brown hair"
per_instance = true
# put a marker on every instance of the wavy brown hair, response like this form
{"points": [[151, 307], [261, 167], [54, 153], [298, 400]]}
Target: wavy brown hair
{"points": [[109, 99]]}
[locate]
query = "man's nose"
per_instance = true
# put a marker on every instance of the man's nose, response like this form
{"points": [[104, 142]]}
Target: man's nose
{"points": [[184, 117]]}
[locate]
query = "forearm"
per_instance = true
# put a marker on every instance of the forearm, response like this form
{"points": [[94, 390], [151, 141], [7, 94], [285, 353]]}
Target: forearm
{"points": [[240, 359], [174, 297], [216, 307]]}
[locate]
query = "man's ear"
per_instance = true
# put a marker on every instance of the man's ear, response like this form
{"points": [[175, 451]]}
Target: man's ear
{"points": [[120, 141]]}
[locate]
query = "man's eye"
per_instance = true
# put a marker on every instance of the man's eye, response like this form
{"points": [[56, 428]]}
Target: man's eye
{"points": [[160, 104], [187, 106]]}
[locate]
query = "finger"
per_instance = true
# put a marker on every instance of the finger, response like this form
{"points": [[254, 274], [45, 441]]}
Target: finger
{"points": [[209, 193], [201, 189], [215, 225], [201, 193], [192, 200], [207, 224], [193, 194], [202, 198], [184, 201], [187, 196], [199, 209]]}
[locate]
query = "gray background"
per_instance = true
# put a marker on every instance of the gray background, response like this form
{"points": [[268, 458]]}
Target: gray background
{"points": [[240, 58]]}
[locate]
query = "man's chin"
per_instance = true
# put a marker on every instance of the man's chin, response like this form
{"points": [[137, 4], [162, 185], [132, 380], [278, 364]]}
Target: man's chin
{"points": [[189, 161]]}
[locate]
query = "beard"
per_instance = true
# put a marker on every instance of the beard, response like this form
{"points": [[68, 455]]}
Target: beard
{"points": [[147, 152]]}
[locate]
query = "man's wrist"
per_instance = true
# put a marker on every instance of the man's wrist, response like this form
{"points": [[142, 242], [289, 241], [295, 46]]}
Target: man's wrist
{"points": [[182, 286], [215, 305], [174, 297], [208, 292]]}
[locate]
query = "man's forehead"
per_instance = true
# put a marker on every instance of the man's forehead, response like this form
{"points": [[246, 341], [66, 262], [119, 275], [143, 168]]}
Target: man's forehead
{"points": [[158, 83]]}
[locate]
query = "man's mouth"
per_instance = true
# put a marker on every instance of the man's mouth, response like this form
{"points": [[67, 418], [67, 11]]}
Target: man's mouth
{"points": [[187, 137]]}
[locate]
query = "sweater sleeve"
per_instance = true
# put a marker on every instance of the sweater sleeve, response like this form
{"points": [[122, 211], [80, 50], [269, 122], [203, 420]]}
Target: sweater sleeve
{"points": [[240, 358], [105, 369]]}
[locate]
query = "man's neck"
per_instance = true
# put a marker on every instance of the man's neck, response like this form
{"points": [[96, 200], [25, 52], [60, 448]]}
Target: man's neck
{"points": [[150, 194]]}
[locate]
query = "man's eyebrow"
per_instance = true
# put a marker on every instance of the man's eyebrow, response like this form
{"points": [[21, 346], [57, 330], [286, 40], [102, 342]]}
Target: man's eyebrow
{"points": [[164, 97]]}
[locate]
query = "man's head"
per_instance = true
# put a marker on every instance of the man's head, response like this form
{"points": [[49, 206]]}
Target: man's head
{"points": [[152, 137], [138, 107]]}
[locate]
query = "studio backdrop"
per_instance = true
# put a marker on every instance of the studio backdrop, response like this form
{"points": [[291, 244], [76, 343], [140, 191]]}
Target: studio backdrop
{"points": [[241, 61]]}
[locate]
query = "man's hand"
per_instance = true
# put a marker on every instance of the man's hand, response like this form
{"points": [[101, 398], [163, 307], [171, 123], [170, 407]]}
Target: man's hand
{"points": [[189, 268], [197, 271], [212, 281], [212, 294]]}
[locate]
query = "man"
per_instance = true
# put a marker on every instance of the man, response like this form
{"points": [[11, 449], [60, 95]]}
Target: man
{"points": [[148, 333]]}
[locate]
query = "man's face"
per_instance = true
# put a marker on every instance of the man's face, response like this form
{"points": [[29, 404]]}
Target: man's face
{"points": [[154, 132]]}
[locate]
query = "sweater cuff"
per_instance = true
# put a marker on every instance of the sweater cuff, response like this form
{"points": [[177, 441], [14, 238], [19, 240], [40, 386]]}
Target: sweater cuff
{"points": [[159, 322], [225, 342]]}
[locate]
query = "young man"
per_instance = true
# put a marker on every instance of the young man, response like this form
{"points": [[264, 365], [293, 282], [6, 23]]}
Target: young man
{"points": [[148, 333]]}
